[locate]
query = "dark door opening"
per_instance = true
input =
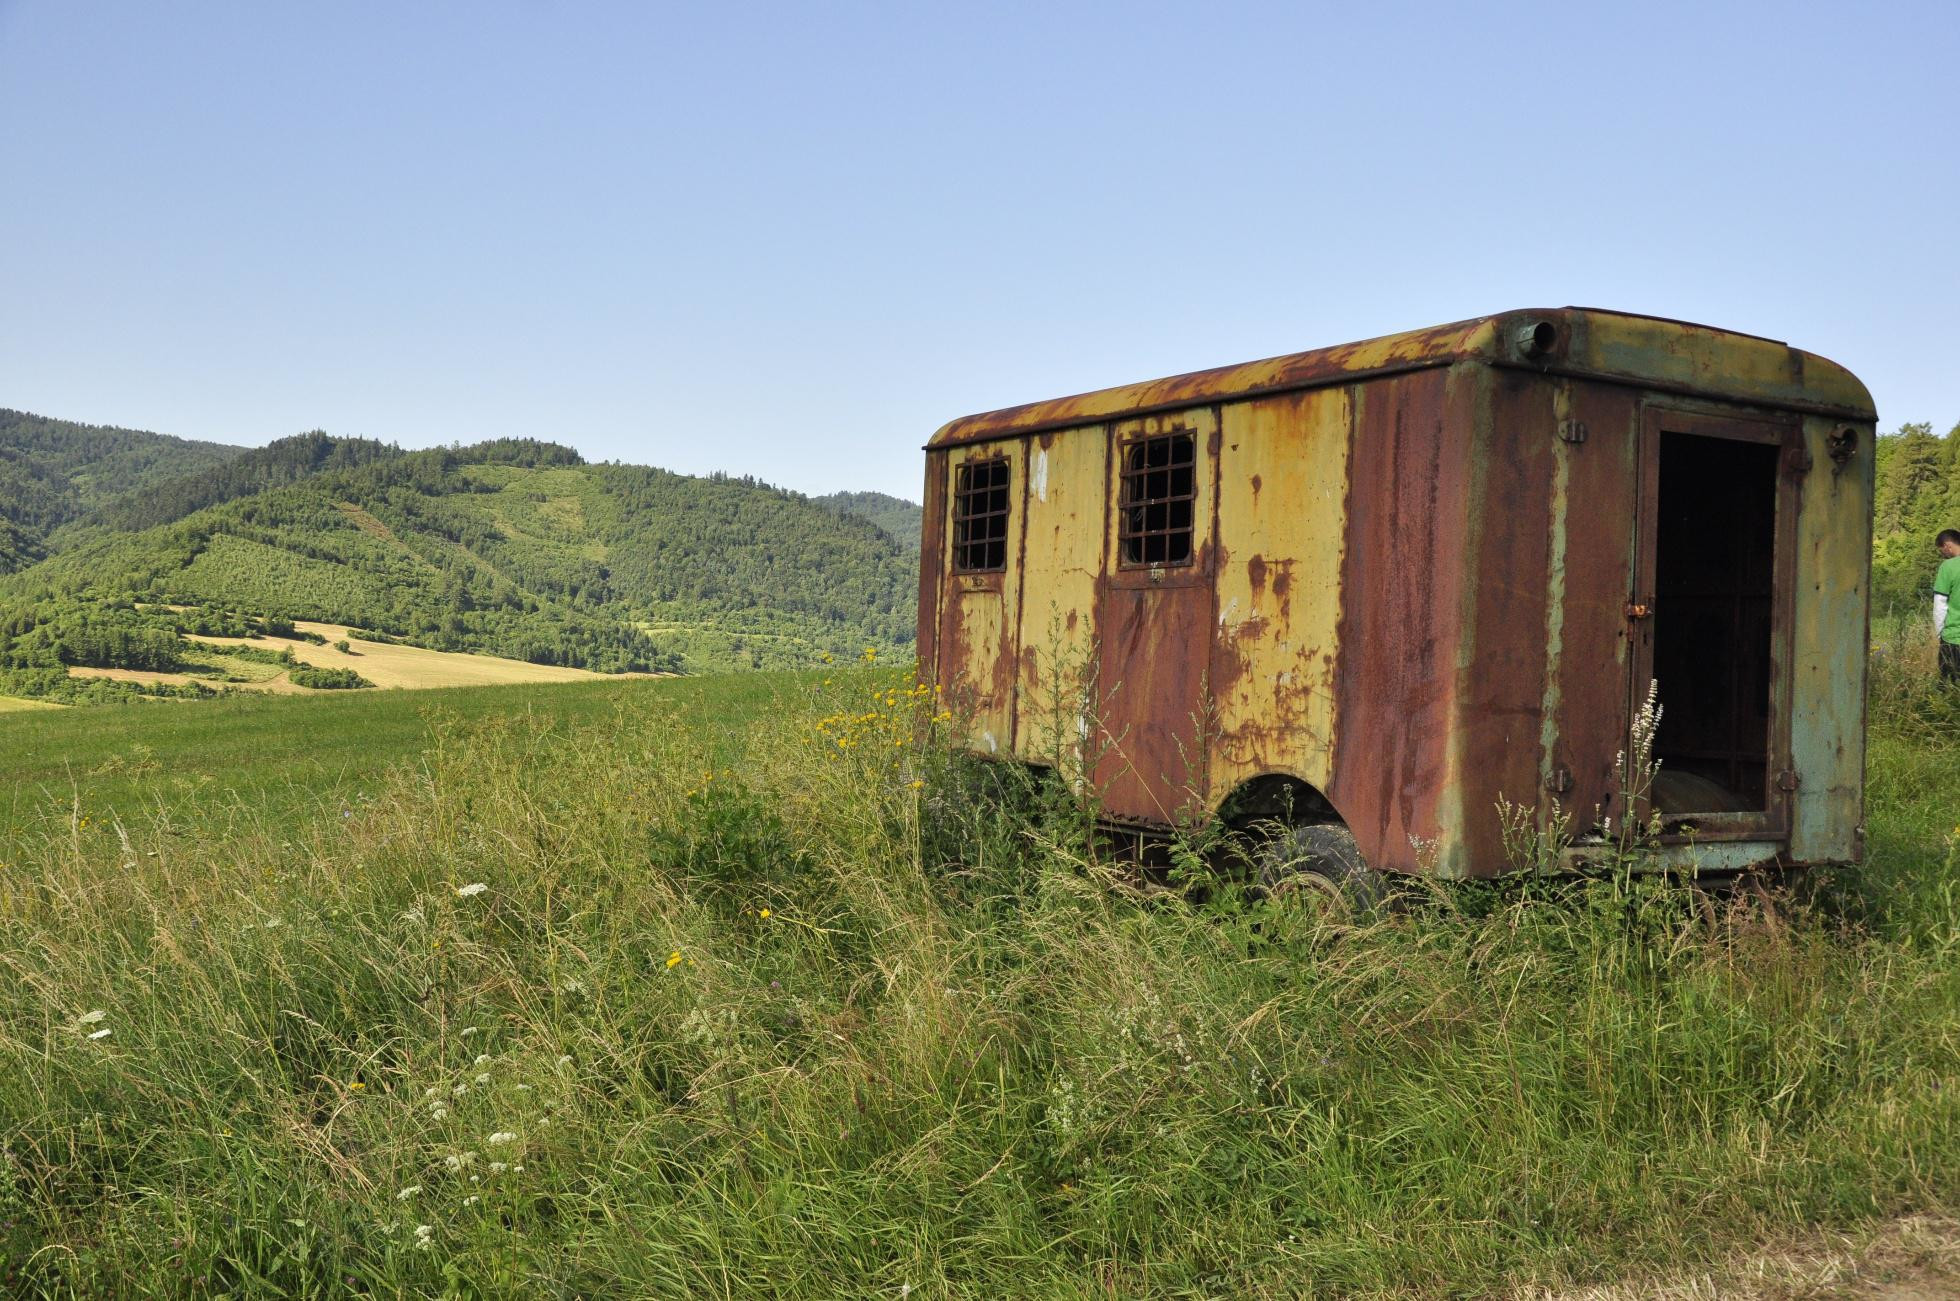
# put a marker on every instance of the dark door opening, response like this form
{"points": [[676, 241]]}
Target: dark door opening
{"points": [[1714, 589]]}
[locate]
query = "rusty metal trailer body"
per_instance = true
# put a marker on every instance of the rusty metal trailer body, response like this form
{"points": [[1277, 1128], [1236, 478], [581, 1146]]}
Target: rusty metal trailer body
{"points": [[1423, 574]]}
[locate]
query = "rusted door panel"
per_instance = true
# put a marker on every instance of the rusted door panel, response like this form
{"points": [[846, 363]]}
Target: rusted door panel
{"points": [[1830, 625], [1061, 562], [1402, 583], [977, 614], [1154, 623], [1282, 531], [1589, 575], [1503, 643]]}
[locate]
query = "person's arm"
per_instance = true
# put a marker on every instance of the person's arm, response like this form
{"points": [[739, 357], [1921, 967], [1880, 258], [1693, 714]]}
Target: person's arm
{"points": [[1939, 613]]}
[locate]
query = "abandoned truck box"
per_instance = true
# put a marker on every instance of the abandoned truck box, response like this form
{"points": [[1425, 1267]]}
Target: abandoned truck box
{"points": [[1397, 582]]}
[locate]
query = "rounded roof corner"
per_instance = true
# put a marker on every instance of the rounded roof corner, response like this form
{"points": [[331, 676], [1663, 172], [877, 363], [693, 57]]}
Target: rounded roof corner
{"points": [[1846, 388]]}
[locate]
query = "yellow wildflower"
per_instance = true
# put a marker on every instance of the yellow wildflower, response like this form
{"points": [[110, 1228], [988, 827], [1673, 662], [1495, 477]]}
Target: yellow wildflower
{"points": [[674, 959]]}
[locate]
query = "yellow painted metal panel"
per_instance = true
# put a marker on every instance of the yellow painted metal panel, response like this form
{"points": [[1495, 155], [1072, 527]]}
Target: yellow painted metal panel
{"points": [[976, 641], [1828, 705], [1282, 523], [1065, 498]]}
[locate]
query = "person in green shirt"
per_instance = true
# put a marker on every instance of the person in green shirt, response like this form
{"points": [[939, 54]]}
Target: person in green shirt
{"points": [[1946, 622]]}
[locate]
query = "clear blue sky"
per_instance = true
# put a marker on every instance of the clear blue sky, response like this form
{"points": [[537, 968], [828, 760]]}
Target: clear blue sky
{"points": [[791, 240]]}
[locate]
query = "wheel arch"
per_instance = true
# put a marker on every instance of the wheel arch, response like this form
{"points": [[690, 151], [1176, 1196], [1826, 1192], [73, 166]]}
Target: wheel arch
{"points": [[1277, 795]]}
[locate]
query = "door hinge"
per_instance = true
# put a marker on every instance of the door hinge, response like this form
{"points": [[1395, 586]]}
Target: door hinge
{"points": [[1572, 431], [1787, 780], [1560, 780]]}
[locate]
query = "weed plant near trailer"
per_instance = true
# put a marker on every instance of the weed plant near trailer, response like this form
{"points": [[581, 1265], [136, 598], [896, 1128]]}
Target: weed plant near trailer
{"points": [[658, 1002]]}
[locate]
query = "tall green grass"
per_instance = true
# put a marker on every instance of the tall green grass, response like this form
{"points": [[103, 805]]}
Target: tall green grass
{"points": [[777, 998]]}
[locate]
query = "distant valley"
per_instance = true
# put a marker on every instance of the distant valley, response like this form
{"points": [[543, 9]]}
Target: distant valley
{"points": [[120, 548]]}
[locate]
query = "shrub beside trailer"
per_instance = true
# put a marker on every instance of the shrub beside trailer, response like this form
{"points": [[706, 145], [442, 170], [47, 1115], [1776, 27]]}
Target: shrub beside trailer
{"points": [[1389, 585]]}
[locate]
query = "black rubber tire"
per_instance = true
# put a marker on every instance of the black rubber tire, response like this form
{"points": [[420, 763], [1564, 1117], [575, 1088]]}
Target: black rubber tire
{"points": [[1323, 857]]}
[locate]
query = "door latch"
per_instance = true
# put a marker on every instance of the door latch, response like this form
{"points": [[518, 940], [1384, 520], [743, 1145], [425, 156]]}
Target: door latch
{"points": [[1637, 610]]}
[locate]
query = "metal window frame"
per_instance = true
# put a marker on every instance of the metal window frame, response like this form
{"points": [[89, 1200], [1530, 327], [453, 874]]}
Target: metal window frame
{"points": [[964, 494], [1126, 536]]}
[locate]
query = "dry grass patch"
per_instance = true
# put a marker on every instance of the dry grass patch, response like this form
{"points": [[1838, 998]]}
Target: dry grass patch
{"points": [[151, 678], [411, 667], [1915, 1258]]}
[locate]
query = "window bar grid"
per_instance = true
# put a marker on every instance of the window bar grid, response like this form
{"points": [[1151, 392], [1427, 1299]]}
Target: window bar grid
{"points": [[980, 510], [1157, 500]]}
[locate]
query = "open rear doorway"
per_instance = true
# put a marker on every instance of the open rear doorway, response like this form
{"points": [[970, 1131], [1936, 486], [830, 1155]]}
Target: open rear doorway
{"points": [[1713, 585]]}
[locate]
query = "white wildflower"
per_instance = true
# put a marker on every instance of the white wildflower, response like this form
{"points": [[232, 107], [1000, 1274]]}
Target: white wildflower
{"points": [[423, 1234], [468, 1030], [482, 1058], [498, 1167], [483, 1078], [90, 1017], [103, 1033], [564, 1061], [408, 1192], [502, 1136], [471, 890], [439, 1112], [517, 1169], [459, 1090], [431, 1091], [471, 1200]]}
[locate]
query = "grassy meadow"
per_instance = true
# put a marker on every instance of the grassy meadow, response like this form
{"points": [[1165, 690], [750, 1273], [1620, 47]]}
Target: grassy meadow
{"points": [[745, 987]]}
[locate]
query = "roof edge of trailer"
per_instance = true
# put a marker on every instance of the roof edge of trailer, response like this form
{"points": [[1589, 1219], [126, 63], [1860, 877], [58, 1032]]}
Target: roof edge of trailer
{"points": [[1590, 342]]}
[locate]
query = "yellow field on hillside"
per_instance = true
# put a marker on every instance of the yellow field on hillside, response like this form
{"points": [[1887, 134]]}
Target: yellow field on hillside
{"points": [[14, 704], [404, 666]]}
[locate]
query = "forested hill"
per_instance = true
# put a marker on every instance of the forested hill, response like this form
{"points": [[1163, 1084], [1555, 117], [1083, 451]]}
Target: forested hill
{"points": [[56, 471], [284, 461], [1918, 495], [900, 519], [516, 548]]}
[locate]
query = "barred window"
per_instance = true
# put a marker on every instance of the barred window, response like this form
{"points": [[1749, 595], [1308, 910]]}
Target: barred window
{"points": [[1158, 498], [980, 517]]}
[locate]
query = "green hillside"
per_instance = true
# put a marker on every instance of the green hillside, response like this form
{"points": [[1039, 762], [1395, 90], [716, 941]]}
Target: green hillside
{"points": [[55, 471], [898, 518], [513, 548]]}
